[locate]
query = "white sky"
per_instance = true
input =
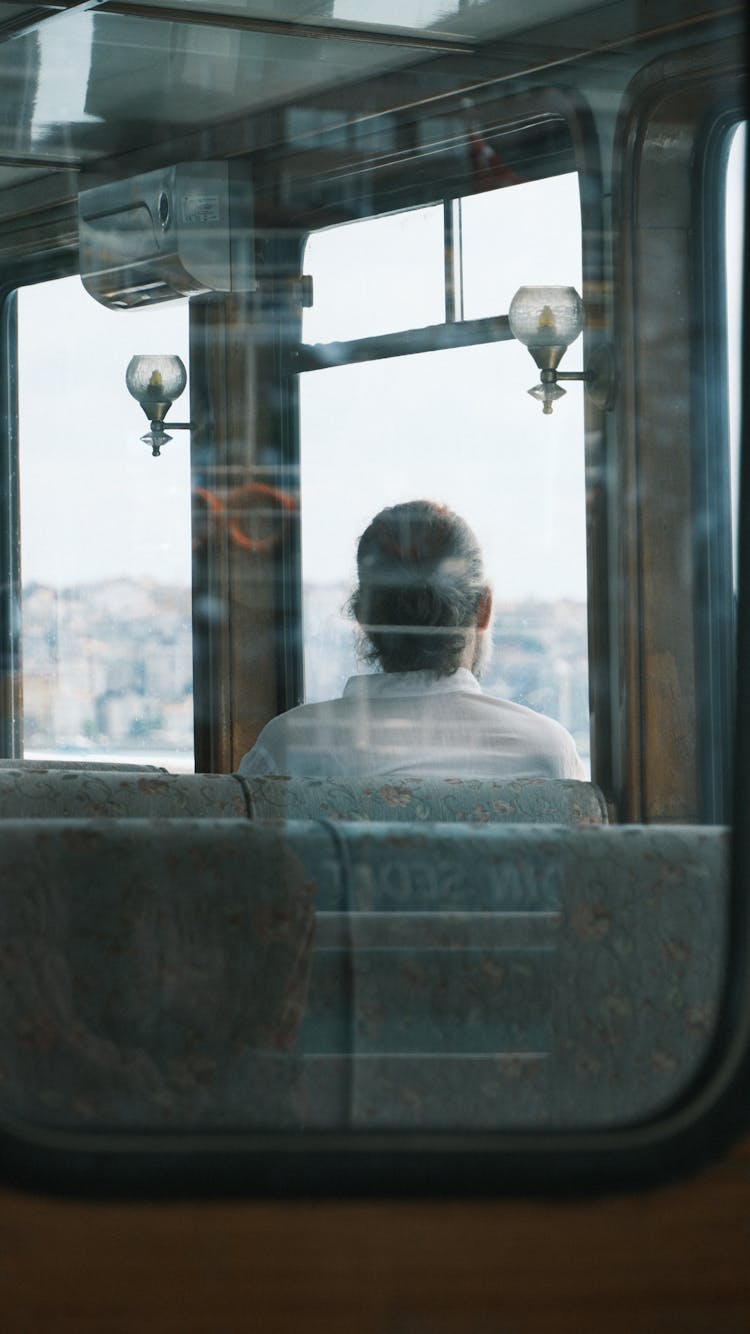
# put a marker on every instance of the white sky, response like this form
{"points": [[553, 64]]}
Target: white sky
{"points": [[456, 426], [94, 503]]}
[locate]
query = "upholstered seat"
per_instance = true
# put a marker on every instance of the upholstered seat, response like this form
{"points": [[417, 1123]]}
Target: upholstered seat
{"points": [[76, 764], [514, 975], [474, 800], [153, 973], [147, 968], [52, 793]]}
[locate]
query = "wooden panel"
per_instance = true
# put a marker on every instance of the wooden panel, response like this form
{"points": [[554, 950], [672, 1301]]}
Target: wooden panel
{"points": [[672, 1261], [661, 517], [244, 516]]}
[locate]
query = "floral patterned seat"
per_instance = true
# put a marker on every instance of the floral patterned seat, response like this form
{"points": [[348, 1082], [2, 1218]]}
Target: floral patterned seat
{"points": [[154, 973], [151, 972], [77, 764], [53, 794], [515, 975], [475, 800]]}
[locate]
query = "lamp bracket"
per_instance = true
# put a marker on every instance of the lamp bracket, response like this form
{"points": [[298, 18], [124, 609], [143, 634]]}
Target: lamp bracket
{"points": [[598, 377], [158, 436]]}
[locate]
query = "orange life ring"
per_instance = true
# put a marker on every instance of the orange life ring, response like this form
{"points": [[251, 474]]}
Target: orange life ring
{"points": [[287, 504]]}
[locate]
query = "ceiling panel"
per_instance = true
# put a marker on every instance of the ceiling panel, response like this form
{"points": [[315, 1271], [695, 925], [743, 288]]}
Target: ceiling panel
{"points": [[92, 82], [446, 18], [99, 80], [16, 18], [10, 13]]}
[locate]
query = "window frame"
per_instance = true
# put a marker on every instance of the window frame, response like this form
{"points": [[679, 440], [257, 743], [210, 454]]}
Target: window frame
{"points": [[686, 108], [454, 332], [716, 639], [526, 112]]}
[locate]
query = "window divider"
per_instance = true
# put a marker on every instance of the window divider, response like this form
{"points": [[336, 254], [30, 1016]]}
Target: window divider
{"points": [[432, 338]]}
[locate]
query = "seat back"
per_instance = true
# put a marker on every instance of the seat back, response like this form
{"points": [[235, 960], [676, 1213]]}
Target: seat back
{"points": [[77, 764], [153, 973], [511, 976], [54, 794], [474, 800]]}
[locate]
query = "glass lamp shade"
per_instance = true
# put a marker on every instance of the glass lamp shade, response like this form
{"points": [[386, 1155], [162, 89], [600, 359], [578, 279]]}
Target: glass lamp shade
{"points": [[155, 379], [546, 316]]}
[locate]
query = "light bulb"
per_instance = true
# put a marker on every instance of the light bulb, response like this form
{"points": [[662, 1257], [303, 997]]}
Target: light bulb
{"points": [[155, 379], [546, 316]]}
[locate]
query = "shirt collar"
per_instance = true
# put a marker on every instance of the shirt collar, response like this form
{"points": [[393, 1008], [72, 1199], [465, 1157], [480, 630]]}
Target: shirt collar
{"points": [[381, 685]]}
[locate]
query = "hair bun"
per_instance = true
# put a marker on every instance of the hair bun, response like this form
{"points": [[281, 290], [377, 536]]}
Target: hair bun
{"points": [[420, 577]]}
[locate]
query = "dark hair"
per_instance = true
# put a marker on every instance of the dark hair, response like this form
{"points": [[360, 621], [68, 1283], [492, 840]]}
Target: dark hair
{"points": [[420, 580]]}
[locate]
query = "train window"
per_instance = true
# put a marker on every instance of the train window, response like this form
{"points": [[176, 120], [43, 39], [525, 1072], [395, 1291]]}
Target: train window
{"points": [[105, 538], [505, 233], [392, 267], [457, 426]]}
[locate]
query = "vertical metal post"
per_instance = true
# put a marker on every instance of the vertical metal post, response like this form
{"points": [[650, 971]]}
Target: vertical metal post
{"points": [[245, 471], [11, 679], [449, 262], [458, 252]]}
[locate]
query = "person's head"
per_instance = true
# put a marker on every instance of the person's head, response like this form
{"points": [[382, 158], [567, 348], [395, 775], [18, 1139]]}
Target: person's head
{"points": [[422, 600]]}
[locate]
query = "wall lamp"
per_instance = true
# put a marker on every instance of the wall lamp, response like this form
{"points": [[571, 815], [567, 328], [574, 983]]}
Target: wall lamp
{"points": [[547, 320], [156, 382]]}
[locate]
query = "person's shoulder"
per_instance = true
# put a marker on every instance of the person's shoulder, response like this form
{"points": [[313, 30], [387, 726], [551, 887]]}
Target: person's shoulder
{"points": [[267, 756], [533, 718], [520, 712], [303, 730], [540, 730], [300, 716]]}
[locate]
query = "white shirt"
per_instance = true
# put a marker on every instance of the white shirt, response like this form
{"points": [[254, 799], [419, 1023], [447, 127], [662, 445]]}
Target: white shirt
{"points": [[418, 724]]}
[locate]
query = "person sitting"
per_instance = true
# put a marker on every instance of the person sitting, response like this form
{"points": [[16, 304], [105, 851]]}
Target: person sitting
{"points": [[424, 607]]}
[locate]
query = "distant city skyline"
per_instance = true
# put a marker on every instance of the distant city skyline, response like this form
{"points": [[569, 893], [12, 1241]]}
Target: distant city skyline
{"points": [[108, 665]]}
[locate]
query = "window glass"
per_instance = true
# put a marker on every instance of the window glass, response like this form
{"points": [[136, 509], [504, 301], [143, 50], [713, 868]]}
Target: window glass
{"points": [[105, 536], [507, 242], [458, 426], [376, 276]]}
